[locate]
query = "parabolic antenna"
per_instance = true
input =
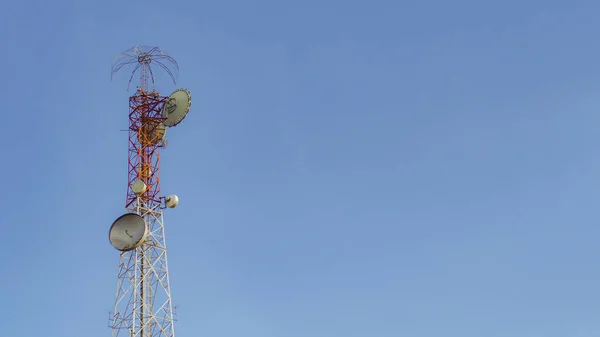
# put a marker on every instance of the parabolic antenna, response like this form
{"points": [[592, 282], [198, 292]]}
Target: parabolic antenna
{"points": [[139, 187], [176, 107], [127, 232], [172, 201], [152, 132]]}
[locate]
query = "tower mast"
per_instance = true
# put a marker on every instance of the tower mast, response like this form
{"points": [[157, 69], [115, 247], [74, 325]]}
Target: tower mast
{"points": [[143, 306]]}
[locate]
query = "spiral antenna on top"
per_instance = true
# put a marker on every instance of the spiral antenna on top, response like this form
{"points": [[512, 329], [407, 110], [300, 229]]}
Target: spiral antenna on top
{"points": [[143, 57]]}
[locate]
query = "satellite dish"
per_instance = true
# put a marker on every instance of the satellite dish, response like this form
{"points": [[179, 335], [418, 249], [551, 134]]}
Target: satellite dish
{"points": [[139, 187], [127, 232], [152, 132], [176, 107], [172, 201]]}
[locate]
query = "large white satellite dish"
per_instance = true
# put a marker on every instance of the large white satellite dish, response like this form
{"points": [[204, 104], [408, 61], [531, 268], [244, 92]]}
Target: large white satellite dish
{"points": [[176, 107], [128, 232]]}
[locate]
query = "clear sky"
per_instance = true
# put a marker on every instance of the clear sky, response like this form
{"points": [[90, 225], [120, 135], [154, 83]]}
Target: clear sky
{"points": [[358, 169]]}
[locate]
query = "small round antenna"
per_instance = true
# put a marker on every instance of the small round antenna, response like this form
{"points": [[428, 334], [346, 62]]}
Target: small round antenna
{"points": [[139, 187], [172, 201], [152, 132], [143, 57]]}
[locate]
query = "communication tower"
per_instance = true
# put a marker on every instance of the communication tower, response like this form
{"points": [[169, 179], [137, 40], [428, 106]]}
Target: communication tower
{"points": [[143, 305]]}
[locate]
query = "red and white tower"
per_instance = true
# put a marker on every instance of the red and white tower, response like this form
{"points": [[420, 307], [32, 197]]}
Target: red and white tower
{"points": [[143, 305]]}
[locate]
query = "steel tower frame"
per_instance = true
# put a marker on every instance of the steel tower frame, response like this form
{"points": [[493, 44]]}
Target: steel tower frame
{"points": [[143, 306]]}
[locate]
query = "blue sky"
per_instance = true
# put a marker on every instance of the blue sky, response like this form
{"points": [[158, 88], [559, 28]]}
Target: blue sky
{"points": [[347, 169]]}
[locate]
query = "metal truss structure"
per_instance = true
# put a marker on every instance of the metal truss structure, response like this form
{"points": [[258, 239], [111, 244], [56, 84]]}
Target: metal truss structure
{"points": [[143, 305], [145, 116]]}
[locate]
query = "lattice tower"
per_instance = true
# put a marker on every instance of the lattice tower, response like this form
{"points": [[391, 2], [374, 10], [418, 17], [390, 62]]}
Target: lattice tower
{"points": [[143, 306]]}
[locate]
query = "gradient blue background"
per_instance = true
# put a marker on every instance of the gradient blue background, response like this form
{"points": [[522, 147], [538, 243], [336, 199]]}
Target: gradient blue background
{"points": [[356, 169]]}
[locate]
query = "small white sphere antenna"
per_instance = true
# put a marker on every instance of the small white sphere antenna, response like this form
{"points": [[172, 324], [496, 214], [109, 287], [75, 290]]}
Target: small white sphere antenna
{"points": [[139, 187], [172, 201]]}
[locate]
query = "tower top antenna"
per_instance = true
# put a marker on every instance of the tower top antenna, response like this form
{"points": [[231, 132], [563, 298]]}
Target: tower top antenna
{"points": [[144, 57]]}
